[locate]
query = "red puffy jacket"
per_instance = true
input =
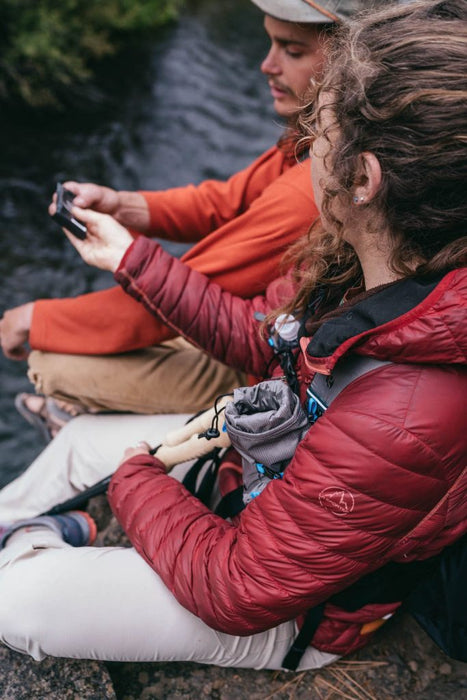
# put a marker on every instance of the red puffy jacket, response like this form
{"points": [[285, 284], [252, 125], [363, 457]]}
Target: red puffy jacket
{"points": [[380, 477]]}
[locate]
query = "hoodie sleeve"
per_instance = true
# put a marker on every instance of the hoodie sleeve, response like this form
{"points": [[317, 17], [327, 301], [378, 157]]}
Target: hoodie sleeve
{"points": [[258, 216]]}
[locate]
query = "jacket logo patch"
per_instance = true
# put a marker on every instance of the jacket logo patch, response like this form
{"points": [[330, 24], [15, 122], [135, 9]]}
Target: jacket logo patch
{"points": [[337, 500]]}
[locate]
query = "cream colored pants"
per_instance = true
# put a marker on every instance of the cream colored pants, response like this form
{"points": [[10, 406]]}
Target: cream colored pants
{"points": [[105, 602], [174, 377]]}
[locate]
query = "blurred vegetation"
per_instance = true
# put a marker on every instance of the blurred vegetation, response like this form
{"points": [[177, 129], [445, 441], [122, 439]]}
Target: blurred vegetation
{"points": [[49, 48]]}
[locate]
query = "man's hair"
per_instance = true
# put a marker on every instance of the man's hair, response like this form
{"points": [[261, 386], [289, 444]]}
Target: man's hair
{"points": [[397, 86]]}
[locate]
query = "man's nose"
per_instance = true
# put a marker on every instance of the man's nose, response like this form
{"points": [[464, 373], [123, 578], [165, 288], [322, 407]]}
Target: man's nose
{"points": [[270, 65]]}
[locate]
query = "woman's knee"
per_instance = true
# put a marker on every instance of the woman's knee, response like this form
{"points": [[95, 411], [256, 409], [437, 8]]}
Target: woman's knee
{"points": [[25, 589]]}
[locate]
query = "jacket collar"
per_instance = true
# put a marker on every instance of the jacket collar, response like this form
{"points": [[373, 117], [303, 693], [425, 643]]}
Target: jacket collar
{"points": [[398, 323]]}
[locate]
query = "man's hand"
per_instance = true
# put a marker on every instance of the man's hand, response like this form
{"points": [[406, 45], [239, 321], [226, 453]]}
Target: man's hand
{"points": [[128, 208], [90, 196], [14, 331], [106, 241]]}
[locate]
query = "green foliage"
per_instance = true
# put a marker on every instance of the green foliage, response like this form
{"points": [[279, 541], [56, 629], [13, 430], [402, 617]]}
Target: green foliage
{"points": [[49, 46]]}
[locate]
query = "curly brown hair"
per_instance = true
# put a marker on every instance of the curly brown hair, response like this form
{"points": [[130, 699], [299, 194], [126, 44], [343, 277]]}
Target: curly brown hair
{"points": [[398, 81]]}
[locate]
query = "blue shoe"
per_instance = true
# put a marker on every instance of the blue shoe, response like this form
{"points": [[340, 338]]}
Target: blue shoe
{"points": [[75, 527]]}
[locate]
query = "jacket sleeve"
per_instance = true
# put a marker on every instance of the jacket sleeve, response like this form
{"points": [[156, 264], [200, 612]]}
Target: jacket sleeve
{"points": [[344, 507], [242, 255], [222, 324]]}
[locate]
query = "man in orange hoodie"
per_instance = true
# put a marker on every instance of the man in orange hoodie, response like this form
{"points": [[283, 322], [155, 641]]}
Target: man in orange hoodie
{"points": [[103, 350]]}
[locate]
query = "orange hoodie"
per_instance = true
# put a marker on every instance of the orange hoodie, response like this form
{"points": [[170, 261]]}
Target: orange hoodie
{"points": [[240, 227]]}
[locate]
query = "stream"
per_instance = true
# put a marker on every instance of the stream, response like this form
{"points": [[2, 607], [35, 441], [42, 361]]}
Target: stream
{"points": [[188, 104]]}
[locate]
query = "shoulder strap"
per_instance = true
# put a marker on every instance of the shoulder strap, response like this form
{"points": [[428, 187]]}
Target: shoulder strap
{"points": [[325, 388]]}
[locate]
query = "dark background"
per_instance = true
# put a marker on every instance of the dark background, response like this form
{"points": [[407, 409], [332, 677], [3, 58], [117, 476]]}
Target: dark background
{"points": [[186, 105]]}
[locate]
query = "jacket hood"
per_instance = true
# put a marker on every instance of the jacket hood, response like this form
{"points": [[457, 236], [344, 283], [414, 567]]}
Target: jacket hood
{"points": [[420, 321]]}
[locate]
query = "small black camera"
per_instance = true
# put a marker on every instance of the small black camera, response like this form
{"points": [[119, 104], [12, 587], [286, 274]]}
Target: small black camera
{"points": [[63, 213]]}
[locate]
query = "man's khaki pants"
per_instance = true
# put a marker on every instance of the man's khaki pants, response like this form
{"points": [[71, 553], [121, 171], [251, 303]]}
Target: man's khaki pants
{"points": [[174, 377]]}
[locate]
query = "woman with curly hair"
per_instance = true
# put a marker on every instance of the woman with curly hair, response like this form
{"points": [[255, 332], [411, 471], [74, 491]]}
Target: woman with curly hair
{"points": [[379, 477]]}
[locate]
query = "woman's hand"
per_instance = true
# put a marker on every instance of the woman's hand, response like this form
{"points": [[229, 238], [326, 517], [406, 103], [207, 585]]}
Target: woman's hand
{"points": [[142, 448], [106, 242]]}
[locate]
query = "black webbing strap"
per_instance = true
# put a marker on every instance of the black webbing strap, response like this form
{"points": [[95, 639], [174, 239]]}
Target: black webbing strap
{"points": [[303, 638], [390, 584], [204, 490], [231, 504]]}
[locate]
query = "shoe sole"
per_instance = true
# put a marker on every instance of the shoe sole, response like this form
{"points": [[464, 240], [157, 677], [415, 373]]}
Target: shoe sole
{"points": [[90, 522]]}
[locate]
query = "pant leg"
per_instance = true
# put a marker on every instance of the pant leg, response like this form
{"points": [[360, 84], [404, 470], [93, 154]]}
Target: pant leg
{"points": [[86, 450], [108, 604], [174, 377]]}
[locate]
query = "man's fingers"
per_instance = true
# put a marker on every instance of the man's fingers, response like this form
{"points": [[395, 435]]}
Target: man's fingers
{"points": [[87, 195], [17, 354], [72, 186]]}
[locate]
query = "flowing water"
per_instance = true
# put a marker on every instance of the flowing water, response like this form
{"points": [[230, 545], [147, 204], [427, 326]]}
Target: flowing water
{"points": [[184, 106]]}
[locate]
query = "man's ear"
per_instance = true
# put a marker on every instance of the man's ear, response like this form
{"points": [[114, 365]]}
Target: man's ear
{"points": [[369, 178]]}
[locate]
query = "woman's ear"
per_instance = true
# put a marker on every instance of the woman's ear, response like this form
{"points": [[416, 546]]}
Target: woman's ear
{"points": [[369, 178]]}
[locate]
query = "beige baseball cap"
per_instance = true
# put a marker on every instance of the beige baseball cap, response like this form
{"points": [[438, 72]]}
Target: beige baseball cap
{"points": [[311, 11]]}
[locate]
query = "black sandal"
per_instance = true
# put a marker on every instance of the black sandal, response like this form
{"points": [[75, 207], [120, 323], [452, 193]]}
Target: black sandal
{"points": [[49, 419]]}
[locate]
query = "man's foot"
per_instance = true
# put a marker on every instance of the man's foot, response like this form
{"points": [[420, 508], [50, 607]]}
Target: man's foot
{"points": [[45, 414], [75, 527]]}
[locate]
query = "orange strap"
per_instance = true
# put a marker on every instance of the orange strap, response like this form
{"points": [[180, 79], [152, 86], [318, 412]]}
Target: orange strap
{"points": [[317, 6]]}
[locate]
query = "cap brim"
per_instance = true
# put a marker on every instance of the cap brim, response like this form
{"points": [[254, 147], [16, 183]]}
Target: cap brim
{"points": [[301, 11]]}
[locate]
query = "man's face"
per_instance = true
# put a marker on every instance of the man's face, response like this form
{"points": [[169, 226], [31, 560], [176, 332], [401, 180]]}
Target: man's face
{"points": [[296, 55]]}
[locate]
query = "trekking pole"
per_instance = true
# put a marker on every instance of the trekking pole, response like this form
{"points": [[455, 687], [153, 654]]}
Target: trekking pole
{"points": [[80, 499]]}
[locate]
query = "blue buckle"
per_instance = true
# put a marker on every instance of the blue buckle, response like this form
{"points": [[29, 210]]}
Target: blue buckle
{"points": [[315, 406]]}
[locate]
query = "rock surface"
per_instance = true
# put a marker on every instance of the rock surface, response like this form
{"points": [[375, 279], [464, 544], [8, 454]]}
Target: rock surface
{"points": [[401, 663], [22, 678]]}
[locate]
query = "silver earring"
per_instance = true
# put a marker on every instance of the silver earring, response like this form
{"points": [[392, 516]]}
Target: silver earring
{"points": [[356, 199]]}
